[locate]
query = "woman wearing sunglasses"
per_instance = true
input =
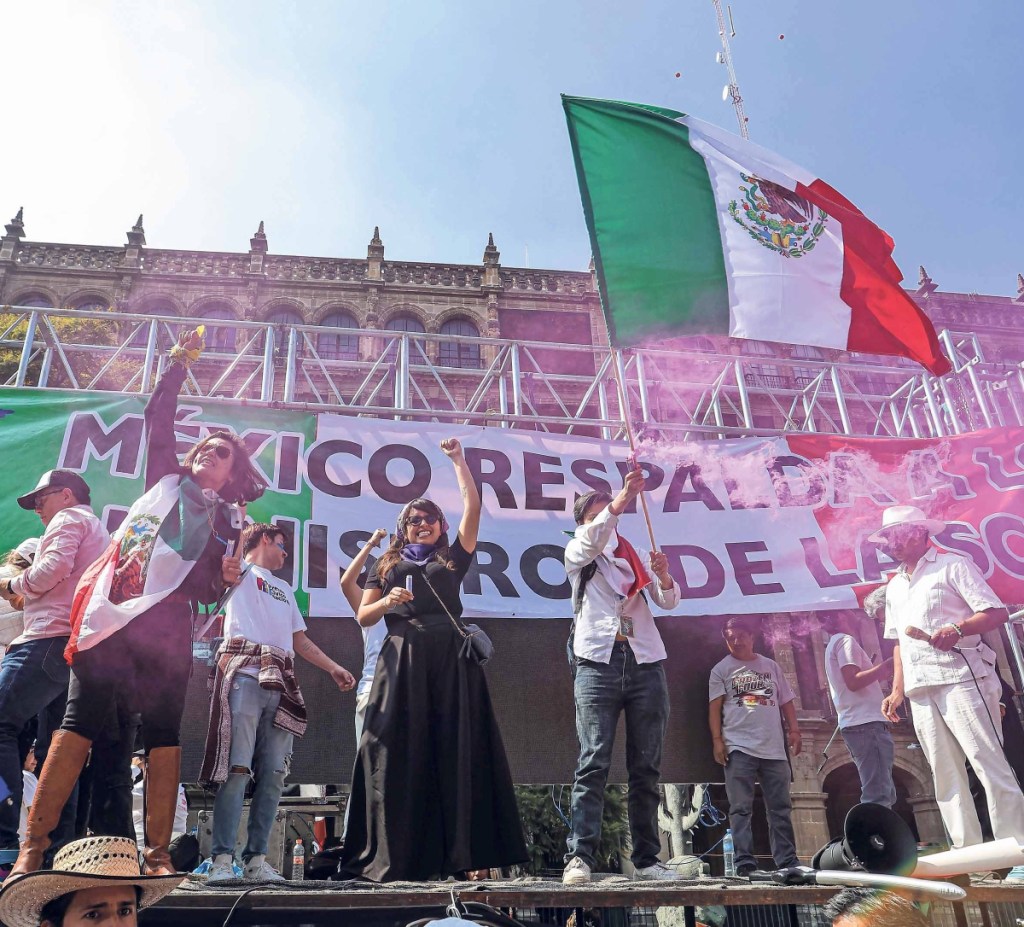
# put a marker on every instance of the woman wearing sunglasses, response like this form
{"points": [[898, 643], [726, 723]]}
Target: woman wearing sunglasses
{"points": [[132, 613], [432, 793]]}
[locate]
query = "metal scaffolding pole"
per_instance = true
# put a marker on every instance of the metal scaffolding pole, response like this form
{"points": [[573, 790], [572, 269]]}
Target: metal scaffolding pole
{"points": [[26, 349], [700, 394], [267, 383]]}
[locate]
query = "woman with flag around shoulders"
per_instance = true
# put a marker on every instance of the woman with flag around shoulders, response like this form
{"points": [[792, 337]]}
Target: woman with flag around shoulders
{"points": [[132, 614]]}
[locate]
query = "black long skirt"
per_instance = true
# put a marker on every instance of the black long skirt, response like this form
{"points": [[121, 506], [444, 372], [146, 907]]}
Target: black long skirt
{"points": [[431, 791]]}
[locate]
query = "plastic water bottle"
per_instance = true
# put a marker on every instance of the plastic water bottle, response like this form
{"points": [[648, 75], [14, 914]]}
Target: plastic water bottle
{"points": [[298, 861], [729, 854]]}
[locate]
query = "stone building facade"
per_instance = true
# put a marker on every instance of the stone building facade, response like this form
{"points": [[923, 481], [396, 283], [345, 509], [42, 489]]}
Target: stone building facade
{"points": [[467, 311]]}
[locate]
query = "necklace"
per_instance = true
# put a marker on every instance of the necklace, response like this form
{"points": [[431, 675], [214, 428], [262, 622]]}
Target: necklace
{"points": [[213, 528]]}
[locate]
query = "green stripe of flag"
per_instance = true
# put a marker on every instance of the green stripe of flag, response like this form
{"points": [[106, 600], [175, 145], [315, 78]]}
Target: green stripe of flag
{"points": [[652, 219]]}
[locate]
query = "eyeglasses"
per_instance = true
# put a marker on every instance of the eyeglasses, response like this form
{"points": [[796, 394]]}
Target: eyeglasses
{"points": [[417, 520], [279, 544], [221, 450], [42, 495]]}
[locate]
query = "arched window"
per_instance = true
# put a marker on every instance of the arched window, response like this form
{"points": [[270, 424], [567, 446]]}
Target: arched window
{"points": [[405, 323], [338, 345], [697, 343], [90, 304], [289, 317], [153, 307], [758, 348], [456, 353], [402, 323], [34, 301], [219, 337], [285, 317]]}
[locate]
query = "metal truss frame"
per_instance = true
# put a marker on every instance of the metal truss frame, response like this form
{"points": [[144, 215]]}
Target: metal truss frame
{"points": [[564, 388]]}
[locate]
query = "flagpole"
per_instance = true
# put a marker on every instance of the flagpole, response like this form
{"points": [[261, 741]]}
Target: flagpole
{"points": [[620, 381]]}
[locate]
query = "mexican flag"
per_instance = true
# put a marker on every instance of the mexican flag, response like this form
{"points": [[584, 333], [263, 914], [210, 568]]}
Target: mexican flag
{"points": [[156, 546], [695, 230]]}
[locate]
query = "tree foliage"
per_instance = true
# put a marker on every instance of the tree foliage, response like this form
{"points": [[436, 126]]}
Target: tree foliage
{"points": [[546, 830], [79, 339]]}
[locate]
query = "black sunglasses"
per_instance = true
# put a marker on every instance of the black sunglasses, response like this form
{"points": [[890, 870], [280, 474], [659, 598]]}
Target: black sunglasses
{"points": [[416, 520], [221, 450]]}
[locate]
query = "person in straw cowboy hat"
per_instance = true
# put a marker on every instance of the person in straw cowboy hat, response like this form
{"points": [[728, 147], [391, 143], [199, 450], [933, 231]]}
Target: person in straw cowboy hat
{"points": [[93, 881], [937, 606]]}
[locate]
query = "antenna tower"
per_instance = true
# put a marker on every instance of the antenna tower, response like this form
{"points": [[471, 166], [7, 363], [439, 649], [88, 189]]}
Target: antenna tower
{"points": [[733, 88]]}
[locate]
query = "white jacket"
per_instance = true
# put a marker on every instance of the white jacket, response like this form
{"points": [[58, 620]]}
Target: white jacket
{"points": [[603, 599]]}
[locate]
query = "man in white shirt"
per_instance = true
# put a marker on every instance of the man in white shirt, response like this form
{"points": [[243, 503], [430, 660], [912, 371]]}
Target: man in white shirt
{"points": [[937, 606], [617, 655], [34, 674], [256, 697], [853, 681]]}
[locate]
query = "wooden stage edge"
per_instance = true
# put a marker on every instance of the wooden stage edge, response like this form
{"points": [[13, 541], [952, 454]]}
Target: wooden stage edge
{"points": [[611, 893]]}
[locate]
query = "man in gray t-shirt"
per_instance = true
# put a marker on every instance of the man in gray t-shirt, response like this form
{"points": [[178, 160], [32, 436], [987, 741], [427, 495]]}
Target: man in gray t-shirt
{"points": [[751, 716]]}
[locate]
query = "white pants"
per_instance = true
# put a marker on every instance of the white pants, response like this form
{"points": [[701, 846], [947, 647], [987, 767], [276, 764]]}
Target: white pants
{"points": [[952, 724]]}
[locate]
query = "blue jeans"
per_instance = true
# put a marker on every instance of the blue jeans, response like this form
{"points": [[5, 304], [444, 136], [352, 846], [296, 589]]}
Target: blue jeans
{"points": [[259, 751], [602, 691], [741, 771], [33, 676]]}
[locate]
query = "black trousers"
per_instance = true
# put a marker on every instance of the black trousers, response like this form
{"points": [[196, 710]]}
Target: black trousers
{"points": [[147, 665]]}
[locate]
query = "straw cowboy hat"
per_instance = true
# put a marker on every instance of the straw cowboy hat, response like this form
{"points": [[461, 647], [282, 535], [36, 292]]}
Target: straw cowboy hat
{"points": [[89, 863], [898, 515]]}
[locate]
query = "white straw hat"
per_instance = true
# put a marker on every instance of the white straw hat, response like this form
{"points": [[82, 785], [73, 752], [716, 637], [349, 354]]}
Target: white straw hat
{"points": [[88, 863], [897, 515]]}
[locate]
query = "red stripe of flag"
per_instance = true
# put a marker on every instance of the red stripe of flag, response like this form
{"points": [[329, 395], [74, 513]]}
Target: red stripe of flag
{"points": [[883, 318], [83, 593]]}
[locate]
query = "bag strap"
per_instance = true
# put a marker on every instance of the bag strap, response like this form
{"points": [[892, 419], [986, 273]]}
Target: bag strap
{"points": [[586, 575], [458, 625]]}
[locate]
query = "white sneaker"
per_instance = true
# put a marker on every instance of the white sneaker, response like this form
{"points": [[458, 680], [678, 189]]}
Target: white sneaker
{"points": [[576, 872], [657, 872], [221, 871], [259, 870]]}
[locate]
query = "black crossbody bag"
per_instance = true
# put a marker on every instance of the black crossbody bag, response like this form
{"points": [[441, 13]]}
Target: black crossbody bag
{"points": [[476, 645]]}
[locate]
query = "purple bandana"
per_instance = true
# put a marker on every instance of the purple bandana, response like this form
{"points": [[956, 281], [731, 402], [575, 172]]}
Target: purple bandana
{"points": [[420, 554]]}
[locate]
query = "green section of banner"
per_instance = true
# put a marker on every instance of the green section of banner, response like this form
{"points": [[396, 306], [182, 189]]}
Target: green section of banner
{"points": [[100, 435]]}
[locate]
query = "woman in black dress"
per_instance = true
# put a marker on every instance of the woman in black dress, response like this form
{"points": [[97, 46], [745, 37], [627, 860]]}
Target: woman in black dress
{"points": [[432, 793]]}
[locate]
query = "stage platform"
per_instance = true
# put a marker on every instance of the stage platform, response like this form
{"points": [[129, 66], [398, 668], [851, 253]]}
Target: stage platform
{"points": [[539, 901]]}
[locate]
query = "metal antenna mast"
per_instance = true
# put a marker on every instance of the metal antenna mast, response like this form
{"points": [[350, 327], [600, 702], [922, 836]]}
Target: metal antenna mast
{"points": [[725, 57]]}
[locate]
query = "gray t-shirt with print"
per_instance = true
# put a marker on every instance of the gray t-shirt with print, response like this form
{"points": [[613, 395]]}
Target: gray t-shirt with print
{"points": [[755, 691]]}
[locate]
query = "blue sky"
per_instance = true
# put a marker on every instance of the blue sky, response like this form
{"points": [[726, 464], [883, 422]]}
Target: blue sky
{"points": [[441, 122]]}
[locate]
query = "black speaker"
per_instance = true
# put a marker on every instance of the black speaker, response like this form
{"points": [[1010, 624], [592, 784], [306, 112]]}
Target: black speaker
{"points": [[874, 839]]}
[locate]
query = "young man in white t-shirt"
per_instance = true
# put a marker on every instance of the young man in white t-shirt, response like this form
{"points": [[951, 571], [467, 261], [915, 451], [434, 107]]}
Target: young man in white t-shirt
{"points": [[752, 717], [853, 681], [262, 626]]}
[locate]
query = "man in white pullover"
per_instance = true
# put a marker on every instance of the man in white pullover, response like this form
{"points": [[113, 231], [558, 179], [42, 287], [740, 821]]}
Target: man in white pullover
{"points": [[617, 655]]}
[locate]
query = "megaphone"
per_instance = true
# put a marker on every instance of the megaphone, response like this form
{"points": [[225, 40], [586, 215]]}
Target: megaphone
{"points": [[875, 839]]}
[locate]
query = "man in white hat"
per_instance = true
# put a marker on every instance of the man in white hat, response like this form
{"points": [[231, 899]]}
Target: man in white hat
{"points": [[34, 674], [937, 606]]}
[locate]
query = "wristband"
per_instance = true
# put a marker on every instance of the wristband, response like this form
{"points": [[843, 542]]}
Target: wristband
{"points": [[957, 628], [184, 356]]}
